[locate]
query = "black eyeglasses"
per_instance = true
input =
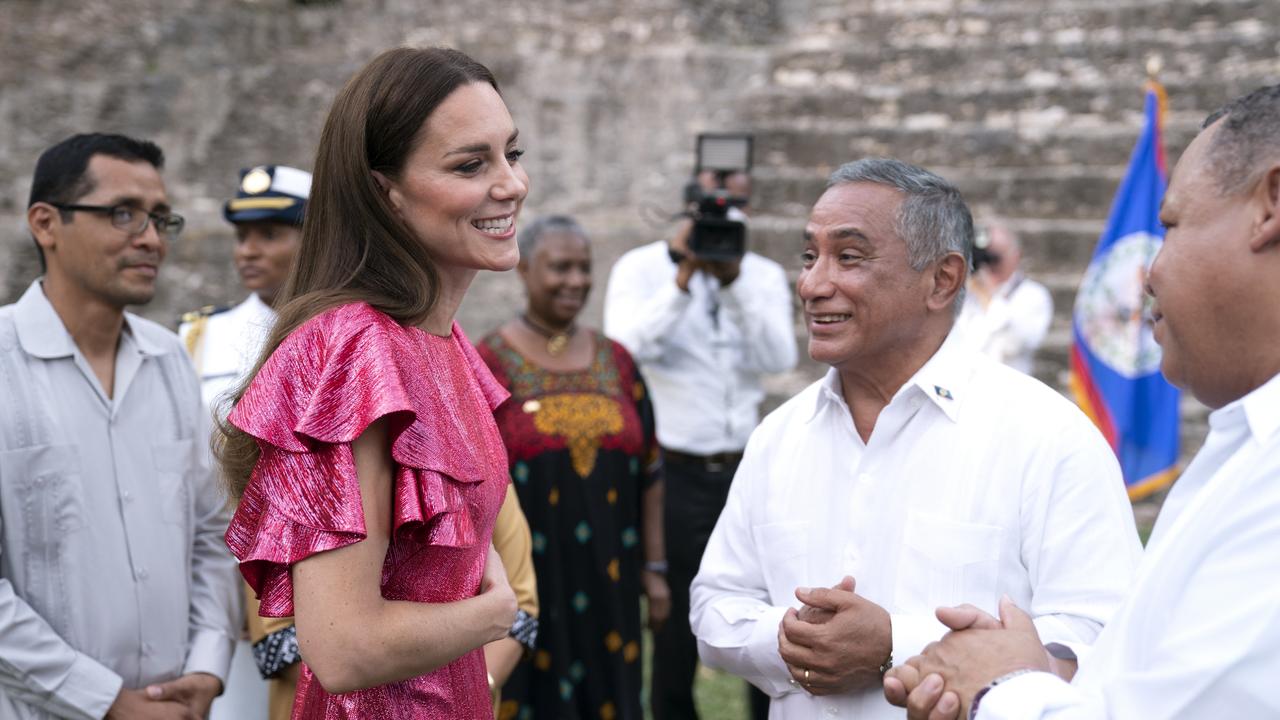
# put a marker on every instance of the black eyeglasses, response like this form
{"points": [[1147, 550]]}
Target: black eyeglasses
{"points": [[133, 220]]}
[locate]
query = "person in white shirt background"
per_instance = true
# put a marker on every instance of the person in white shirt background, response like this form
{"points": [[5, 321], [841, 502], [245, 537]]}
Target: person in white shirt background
{"points": [[224, 343], [1005, 314], [917, 470], [704, 334], [1199, 635]]}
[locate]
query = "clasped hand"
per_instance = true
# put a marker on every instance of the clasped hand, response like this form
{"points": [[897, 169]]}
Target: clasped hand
{"points": [[837, 640], [940, 683], [187, 697]]}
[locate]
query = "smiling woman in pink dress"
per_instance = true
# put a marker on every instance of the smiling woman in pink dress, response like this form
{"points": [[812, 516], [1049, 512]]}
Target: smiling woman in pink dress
{"points": [[363, 450]]}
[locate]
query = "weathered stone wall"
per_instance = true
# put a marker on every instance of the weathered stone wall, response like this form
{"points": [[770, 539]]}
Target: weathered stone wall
{"points": [[1031, 106]]}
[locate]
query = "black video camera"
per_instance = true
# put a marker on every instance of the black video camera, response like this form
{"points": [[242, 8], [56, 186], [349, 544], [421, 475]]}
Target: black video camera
{"points": [[982, 253], [715, 236]]}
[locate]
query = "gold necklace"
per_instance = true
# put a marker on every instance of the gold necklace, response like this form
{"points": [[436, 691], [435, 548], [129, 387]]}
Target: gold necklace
{"points": [[557, 340]]}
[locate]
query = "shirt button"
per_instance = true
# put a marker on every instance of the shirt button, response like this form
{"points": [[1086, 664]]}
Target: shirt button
{"points": [[146, 648], [128, 496], [832, 711], [142, 573], [864, 478]]}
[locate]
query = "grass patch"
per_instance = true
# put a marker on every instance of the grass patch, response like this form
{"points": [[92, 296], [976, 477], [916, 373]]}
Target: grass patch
{"points": [[718, 695]]}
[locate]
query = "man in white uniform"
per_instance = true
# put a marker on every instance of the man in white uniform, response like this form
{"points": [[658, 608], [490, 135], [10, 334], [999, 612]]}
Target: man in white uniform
{"points": [[916, 470], [1199, 635], [224, 344], [267, 215], [1006, 315]]}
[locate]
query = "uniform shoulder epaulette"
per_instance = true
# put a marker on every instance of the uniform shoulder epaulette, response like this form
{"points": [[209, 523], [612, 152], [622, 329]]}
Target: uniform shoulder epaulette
{"points": [[195, 322], [204, 312]]}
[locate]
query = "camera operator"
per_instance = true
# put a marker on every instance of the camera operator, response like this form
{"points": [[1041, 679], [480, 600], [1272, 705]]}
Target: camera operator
{"points": [[704, 326], [1005, 314]]}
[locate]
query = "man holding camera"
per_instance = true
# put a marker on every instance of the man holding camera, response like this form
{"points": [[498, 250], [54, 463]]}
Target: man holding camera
{"points": [[1005, 315], [705, 326]]}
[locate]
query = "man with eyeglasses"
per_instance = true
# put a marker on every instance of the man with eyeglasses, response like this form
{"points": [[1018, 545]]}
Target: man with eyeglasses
{"points": [[117, 593]]}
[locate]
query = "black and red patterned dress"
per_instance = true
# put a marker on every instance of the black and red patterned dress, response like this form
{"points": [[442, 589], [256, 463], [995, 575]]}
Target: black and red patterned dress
{"points": [[582, 450]]}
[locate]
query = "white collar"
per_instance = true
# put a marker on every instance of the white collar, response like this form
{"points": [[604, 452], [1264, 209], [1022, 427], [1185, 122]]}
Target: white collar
{"points": [[1260, 409], [42, 333], [944, 379]]}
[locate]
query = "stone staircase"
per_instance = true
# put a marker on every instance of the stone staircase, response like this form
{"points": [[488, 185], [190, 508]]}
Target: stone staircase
{"points": [[1031, 108]]}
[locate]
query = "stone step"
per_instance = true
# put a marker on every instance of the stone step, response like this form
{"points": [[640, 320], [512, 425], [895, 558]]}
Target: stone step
{"points": [[1049, 26], [997, 103], [904, 61], [1055, 142], [826, 12]]}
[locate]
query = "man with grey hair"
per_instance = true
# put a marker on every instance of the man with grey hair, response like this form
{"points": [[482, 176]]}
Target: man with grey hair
{"points": [[1199, 635], [917, 473]]}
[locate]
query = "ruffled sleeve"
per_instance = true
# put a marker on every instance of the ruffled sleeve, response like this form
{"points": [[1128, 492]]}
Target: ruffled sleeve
{"points": [[321, 388]]}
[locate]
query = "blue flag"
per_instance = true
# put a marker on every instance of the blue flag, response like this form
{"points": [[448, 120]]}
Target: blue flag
{"points": [[1115, 361]]}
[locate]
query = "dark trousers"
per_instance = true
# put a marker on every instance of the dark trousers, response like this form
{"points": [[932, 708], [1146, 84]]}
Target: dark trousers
{"points": [[694, 496]]}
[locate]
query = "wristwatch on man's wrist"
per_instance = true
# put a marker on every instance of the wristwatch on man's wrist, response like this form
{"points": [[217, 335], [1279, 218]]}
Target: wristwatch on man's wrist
{"points": [[977, 697]]}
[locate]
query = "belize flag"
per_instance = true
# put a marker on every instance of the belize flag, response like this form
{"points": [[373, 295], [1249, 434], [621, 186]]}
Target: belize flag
{"points": [[1115, 362]]}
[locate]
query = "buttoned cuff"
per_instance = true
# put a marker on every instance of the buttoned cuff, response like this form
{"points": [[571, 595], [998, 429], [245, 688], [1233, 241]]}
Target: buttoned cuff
{"points": [[911, 633], [89, 687], [762, 650], [1027, 695], [210, 653]]}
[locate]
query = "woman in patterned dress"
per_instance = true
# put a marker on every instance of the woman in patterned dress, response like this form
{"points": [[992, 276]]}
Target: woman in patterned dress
{"points": [[362, 449], [583, 457]]}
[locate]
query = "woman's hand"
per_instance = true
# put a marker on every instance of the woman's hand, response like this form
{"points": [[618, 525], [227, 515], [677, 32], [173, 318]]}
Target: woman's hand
{"points": [[495, 586], [659, 594]]}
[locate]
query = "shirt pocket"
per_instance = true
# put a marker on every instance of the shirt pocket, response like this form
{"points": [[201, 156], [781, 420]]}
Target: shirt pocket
{"points": [[783, 550], [172, 460], [948, 562], [42, 490]]}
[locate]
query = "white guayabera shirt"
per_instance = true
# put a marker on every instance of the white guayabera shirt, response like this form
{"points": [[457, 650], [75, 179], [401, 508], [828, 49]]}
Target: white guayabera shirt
{"points": [[113, 569], [1199, 636], [977, 481]]}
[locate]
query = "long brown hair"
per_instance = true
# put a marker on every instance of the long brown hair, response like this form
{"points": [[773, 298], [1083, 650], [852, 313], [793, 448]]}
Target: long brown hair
{"points": [[354, 247]]}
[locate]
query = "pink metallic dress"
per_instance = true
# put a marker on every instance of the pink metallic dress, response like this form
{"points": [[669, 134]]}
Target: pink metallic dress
{"points": [[317, 393]]}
